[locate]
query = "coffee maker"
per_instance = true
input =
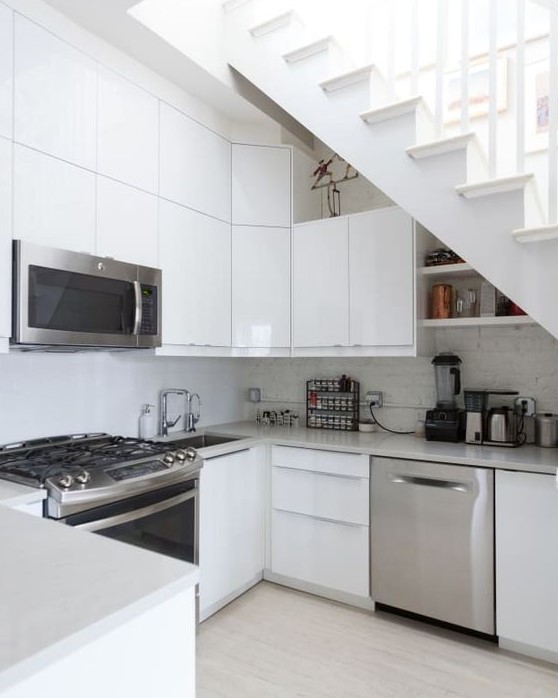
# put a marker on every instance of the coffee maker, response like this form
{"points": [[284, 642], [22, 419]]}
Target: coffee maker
{"points": [[495, 426], [446, 422]]}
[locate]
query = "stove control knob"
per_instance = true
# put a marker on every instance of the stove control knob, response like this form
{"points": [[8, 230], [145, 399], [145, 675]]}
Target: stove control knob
{"points": [[169, 458], [66, 481], [84, 477], [191, 453], [180, 456]]}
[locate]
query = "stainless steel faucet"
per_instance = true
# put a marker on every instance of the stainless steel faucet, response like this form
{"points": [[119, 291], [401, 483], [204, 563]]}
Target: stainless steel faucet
{"points": [[191, 418], [164, 423]]}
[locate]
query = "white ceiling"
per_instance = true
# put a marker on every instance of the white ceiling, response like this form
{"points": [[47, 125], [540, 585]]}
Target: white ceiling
{"points": [[109, 20]]}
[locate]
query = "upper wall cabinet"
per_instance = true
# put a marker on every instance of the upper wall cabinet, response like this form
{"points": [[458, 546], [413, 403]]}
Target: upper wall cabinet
{"points": [[127, 221], [381, 278], [54, 202], [261, 288], [195, 168], [128, 132], [195, 256], [55, 95], [321, 281], [261, 185], [6, 70], [5, 236]]}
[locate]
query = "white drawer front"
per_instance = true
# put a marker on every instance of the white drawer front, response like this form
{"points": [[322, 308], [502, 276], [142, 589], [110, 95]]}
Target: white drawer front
{"points": [[340, 497], [333, 555], [356, 464]]}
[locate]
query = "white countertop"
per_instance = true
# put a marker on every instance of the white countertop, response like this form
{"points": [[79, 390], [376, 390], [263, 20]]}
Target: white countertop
{"points": [[61, 588], [531, 459], [13, 495]]}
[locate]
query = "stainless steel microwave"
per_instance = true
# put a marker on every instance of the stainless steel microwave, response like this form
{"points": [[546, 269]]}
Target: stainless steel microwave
{"points": [[74, 299]]}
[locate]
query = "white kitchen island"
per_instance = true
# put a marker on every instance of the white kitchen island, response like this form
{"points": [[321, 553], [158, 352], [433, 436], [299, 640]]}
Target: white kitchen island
{"points": [[83, 615]]}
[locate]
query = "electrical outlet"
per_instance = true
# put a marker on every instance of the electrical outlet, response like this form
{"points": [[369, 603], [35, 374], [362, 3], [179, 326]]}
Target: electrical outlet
{"points": [[525, 406], [374, 398]]}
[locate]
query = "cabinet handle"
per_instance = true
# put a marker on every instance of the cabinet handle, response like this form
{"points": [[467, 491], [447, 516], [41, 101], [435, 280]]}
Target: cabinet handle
{"points": [[322, 518], [321, 472], [430, 482], [230, 453]]}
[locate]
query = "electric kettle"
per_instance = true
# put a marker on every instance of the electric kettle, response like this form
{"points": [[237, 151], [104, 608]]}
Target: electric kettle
{"points": [[501, 425]]}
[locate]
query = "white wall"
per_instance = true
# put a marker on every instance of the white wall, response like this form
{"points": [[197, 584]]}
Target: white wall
{"points": [[49, 394], [523, 359]]}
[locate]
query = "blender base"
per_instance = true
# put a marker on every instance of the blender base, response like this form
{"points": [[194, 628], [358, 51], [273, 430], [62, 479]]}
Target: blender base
{"points": [[444, 425]]}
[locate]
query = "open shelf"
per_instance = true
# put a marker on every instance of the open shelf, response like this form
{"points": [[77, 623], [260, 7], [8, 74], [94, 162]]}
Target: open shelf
{"points": [[501, 321], [454, 270]]}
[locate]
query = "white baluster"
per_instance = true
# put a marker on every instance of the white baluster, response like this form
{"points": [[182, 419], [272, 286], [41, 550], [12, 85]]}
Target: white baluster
{"points": [[391, 51], [553, 120], [520, 87], [493, 90], [441, 29], [415, 48], [464, 66]]}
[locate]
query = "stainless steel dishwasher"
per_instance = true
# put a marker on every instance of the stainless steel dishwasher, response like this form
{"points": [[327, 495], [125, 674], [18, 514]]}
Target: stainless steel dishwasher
{"points": [[432, 541]]}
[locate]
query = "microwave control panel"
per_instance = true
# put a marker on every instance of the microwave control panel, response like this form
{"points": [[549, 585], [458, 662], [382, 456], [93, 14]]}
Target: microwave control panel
{"points": [[149, 320]]}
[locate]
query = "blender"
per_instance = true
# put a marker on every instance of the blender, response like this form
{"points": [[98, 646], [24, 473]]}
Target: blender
{"points": [[446, 422]]}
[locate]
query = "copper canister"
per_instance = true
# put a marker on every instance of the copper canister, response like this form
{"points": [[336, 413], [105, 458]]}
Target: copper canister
{"points": [[441, 301]]}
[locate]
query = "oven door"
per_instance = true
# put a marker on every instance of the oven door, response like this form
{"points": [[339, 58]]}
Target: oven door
{"points": [[164, 521]]}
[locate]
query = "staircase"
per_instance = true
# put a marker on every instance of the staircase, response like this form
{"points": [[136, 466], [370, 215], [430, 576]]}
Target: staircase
{"points": [[447, 180]]}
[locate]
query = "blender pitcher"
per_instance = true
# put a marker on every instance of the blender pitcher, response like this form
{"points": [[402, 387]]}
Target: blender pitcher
{"points": [[448, 379]]}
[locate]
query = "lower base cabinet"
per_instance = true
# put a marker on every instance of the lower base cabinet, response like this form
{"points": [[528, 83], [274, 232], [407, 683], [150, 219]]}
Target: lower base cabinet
{"points": [[232, 544], [527, 563], [320, 521]]}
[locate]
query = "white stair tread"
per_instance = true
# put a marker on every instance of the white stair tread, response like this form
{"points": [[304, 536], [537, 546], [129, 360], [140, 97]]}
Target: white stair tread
{"points": [[271, 25], [391, 111], [351, 77], [308, 50], [441, 146], [536, 234], [494, 186], [230, 5]]}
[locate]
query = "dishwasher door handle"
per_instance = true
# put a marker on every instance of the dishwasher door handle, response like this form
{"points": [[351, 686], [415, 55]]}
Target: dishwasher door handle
{"points": [[422, 481]]}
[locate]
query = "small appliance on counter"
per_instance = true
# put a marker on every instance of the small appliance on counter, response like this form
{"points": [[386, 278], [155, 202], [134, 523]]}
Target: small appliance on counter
{"points": [[494, 426], [446, 421]]}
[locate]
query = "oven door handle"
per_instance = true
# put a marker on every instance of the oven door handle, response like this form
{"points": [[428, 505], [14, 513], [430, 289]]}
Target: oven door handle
{"points": [[136, 514]]}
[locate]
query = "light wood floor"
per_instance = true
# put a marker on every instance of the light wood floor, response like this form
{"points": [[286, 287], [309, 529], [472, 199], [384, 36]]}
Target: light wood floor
{"points": [[278, 643]]}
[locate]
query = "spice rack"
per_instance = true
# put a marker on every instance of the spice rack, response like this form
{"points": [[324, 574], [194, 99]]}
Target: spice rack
{"points": [[332, 404]]}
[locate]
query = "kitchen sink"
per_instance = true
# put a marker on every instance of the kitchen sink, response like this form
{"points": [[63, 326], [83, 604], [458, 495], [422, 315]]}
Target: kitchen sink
{"points": [[204, 440]]}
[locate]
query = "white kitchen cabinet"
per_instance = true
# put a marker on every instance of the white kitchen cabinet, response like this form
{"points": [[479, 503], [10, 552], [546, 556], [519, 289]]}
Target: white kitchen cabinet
{"points": [[232, 490], [55, 95], [381, 278], [5, 239], [321, 283], [261, 185], [195, 257], [54, 202], [6, 71], [527, 563], [127, 223], [128, 132], [195, 165], [261, 287], [320, 522]]}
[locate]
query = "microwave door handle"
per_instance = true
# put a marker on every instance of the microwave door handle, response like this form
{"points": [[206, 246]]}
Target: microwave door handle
{"points": [[139, 308]]}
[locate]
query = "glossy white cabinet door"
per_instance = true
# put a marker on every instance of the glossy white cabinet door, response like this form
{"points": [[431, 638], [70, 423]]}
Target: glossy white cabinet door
{"points": [[231, 527], [128, 140], [6, 70], [5, 236], [381, 275], [54, 202], [325, 553], [127, 223], [195, 165], [55, 95], [261, 293], [195, 256], [321, 283], [527, 559], [261, 185]]}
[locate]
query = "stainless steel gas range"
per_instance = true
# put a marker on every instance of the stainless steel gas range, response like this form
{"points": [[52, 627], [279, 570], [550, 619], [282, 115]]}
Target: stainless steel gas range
{"points": [[140, 492]]}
